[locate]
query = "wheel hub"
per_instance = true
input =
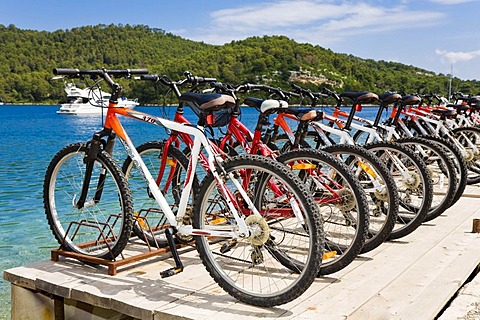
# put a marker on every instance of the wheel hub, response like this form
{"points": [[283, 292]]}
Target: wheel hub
{"points": [[469, 156], [413, 180], [259, 230], [347, 202], [381, 193]]}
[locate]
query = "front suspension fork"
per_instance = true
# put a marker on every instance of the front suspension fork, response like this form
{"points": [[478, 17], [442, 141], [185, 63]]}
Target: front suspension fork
{"points": [[94, 147]]}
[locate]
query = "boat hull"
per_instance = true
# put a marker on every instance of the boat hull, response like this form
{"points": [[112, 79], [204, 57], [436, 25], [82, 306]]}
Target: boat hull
{"points": [[89, 109]]}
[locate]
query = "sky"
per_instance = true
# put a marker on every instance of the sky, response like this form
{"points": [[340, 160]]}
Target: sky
{"points": [[442, 36]]}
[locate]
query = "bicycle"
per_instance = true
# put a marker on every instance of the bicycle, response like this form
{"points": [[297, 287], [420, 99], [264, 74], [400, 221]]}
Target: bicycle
{"points": [[372, 173], [252, 253], [441, 168], [465, 140], [409, 172], [341, 198]]}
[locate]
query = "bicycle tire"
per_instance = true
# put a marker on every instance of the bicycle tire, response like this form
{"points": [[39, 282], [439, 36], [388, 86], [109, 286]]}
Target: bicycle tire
{"points": [[101, 228], [467, 136], [459, 154], [460, 165], [443, 174], [382, 203], [416, 187], [150, 222], [290, 242], [345, 221]]}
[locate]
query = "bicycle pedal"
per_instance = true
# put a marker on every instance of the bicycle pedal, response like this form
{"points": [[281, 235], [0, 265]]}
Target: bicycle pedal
{"points": [[170, 272], [228, 246]]}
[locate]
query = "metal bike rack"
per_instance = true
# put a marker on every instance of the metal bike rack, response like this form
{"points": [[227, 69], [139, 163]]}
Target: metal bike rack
{"points": [[144, 250]]}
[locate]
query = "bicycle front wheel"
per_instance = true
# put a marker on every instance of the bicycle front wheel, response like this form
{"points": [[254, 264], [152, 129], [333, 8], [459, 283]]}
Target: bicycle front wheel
{"points": [[341, 200], [281, 256], [100, 228]]}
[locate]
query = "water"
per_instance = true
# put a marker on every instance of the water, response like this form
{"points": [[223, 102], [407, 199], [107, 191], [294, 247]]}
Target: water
{"points": [[29, 137]]}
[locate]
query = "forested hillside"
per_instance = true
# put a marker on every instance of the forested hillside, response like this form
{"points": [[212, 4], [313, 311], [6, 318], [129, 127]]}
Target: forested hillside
{"points": [[27, 58]]}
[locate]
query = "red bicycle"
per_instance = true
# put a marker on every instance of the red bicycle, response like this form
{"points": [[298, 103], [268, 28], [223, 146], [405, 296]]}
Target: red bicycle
{"points": [[340, 197]]}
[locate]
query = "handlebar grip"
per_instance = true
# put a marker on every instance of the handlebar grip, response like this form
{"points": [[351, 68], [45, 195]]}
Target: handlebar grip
{"points": [[138, 71], [250, 86], [126, 72], [150, 77], [65, 72], [199, 80], [297, 87], [293, 94]]}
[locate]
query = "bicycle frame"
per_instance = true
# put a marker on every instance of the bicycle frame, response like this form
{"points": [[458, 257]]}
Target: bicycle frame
{"points": [[320, 129], [373, 135], [112, 123], [251, 143], [436, 127]]}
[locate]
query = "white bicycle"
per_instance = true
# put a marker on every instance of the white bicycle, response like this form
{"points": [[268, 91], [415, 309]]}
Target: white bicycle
{"points": [[257, 230]]}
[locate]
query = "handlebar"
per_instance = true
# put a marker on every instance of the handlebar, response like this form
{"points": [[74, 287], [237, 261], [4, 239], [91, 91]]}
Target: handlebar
{"points": [[198, 80], [283, 94], [314, 96], [103, 73], [97, 72], [189, 78], [331, 93]]}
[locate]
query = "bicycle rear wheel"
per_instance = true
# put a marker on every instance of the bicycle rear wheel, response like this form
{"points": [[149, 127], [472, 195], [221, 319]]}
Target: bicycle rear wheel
{"points": [[280, 258], [413, 181], [469, 138], [442, 171], [150, 222], [102, 227], [382, 195]]}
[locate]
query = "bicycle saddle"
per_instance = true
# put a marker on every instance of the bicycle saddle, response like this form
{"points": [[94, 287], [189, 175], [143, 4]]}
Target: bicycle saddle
{"points": [[458, 107], [444, 112], [265, 105], [411, 100], [389, 97], [208, 102], [361, 97], [305, 114], [474, 100]]}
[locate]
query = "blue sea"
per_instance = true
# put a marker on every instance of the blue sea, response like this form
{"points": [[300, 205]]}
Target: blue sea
{"points": [[29, 138]]}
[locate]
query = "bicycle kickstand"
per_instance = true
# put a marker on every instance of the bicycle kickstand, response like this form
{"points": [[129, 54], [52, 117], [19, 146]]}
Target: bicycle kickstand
{"points": [[173, 249]]}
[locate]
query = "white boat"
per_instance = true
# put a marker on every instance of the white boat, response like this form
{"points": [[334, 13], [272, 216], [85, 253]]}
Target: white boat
{"points": [[89, 101]]}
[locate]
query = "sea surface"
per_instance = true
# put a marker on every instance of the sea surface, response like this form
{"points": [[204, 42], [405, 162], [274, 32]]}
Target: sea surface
{"points": [[29, 138]]}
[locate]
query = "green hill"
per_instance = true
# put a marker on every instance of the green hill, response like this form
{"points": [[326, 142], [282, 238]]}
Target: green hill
{"points": [[27, 58]]}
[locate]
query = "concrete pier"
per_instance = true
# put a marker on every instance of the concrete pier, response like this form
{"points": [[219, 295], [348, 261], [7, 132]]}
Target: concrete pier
{"points": [[421, 276]]}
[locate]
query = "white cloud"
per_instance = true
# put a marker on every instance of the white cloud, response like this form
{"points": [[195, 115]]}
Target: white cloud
{"points": [[283, 13], [314, 21], [454, 57], [452, 1]]}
